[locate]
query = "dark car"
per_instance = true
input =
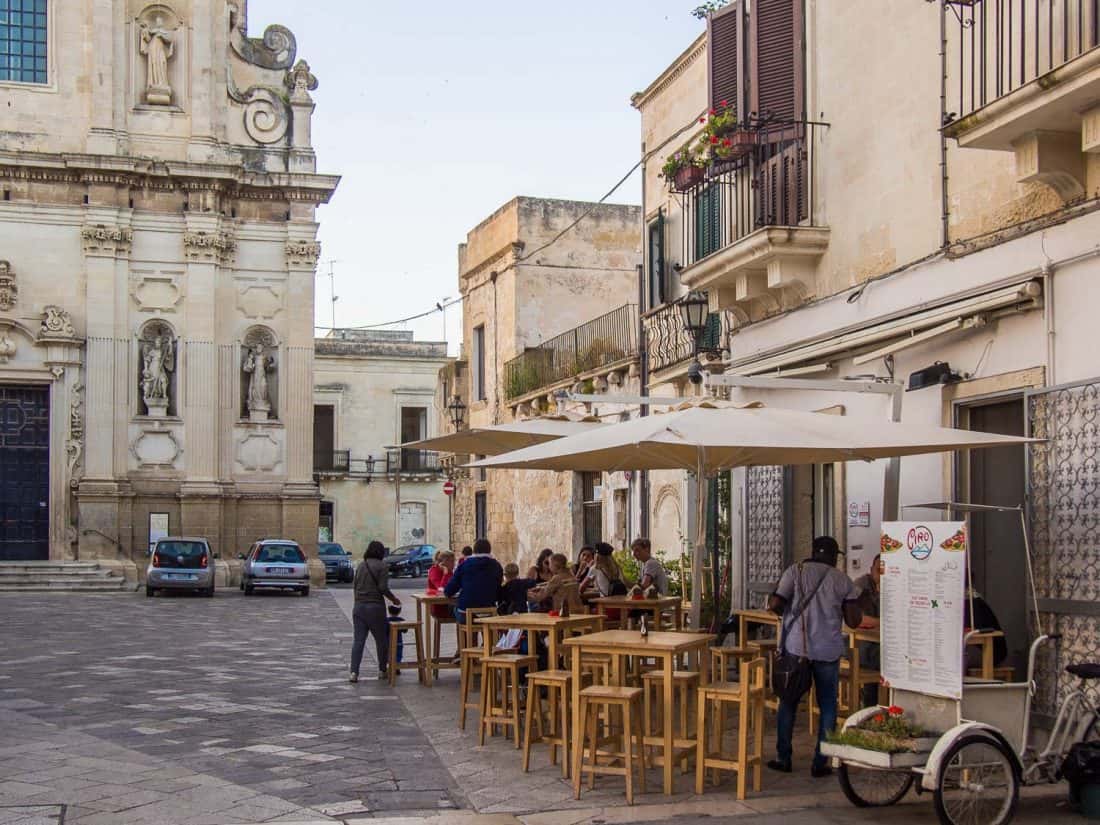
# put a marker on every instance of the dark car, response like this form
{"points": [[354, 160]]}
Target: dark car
{"points": [[337, 561], [411, 560]]}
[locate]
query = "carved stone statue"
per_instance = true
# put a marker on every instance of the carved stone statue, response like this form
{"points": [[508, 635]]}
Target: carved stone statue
{"points": [[158, 361], [158, 47], [257, 364], [8, 289]]}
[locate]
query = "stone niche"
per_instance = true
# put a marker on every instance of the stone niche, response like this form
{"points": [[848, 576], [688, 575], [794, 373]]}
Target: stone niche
{"points": [[259, 376], [159, 56], [157, 362]]}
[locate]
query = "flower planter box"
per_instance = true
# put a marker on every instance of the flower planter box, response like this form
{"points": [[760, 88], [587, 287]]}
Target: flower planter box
{"points": [[742, 143], [688, 177], [917, 755]]}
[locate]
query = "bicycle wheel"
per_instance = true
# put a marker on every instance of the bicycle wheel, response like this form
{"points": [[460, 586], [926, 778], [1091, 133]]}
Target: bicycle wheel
{"points": [[977, 784], [873, 788]]}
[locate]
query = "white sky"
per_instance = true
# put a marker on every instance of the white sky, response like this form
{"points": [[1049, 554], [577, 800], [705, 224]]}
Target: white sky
{"points": [[437, 113]]}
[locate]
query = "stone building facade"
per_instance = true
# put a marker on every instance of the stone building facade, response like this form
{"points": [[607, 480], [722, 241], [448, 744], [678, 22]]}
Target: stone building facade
{"points": [[521, 287], [374, 389], [158, 245]]}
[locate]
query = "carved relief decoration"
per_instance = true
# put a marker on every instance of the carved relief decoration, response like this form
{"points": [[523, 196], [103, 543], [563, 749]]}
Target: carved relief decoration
{"points": [[303, 253], [158, 28], [301, 82], [9, 291], [156, 448], [209, 246], [101, 239], [156, 291], [275, 50], [56, 323], [259, 452], [258, 379], [7, 348], [157, 369], [74, 443], [259, 301]]}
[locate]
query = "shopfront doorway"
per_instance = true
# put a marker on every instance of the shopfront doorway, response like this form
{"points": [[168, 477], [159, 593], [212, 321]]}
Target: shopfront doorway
{"points": [[24, 473]]}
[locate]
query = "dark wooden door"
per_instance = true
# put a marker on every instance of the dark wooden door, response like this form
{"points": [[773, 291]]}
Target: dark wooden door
{"points": [[24, 473]]}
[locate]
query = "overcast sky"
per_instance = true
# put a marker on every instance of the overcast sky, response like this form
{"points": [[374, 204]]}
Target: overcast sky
{"points": [[436, 113]]}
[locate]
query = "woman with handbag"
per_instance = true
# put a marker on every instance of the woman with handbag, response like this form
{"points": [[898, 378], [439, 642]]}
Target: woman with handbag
{"points": [[372, 588], [815, 600]]}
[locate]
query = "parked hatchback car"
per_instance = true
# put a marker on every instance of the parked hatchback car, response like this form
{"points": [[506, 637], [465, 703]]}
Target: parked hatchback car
{"points": [[180, 564], [337, 561], [410, 560], [275, 564]]}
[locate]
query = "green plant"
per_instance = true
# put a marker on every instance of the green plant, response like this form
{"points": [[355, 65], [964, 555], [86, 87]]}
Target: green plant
{"points": [[522, 378], [886, 732], [711, 6], [680, 159], [632, 571], [718, 123]]}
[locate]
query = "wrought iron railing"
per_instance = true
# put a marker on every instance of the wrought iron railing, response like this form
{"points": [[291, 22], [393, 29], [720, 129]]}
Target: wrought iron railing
{"points": [[594, 344], [668, 343], [997, 46], [771, 185], [413, 462], [341, 462], [336, 461]]}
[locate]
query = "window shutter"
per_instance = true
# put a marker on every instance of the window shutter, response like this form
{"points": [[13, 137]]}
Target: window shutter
{"points": [[777, 62], [725, 55], [658, 292]]}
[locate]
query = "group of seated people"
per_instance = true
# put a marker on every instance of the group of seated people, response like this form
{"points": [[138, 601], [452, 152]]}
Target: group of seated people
{"points": [[552, 583]]}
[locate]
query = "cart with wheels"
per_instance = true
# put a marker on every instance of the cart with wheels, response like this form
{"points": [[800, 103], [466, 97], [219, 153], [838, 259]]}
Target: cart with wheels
{"points": [[981, 755]]}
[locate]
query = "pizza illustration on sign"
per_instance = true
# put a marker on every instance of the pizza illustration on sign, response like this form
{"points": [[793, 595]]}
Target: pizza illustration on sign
{"points": [[957, 542], [889, 544]]}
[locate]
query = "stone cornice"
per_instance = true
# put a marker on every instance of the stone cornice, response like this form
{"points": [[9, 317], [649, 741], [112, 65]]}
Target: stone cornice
{"points": [[669, 75], [515, 248]]}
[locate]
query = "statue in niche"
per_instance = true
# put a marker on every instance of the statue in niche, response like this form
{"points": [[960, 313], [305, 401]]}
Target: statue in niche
{"points": [[158, 361], [158, 47], [257, 364]]}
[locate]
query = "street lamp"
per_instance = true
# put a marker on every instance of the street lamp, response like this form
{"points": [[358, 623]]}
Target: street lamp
{"points": [[694, 311], [457, 411]]}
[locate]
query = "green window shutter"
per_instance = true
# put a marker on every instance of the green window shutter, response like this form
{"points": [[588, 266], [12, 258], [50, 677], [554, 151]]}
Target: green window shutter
{"points": [[708, 223]]}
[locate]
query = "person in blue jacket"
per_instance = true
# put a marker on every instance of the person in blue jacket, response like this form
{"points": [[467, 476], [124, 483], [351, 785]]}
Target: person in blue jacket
{"points": [[477, 581]]}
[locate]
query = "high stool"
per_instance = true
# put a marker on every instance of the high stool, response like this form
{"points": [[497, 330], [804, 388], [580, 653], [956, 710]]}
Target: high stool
{"points": [[393, 666], [469, 667], [628, 701], [469, 633], [598, 666], [437, 638], [684, 684], [507, 712], [720, 658], [767, 648], [558, 684], [748, 696]]}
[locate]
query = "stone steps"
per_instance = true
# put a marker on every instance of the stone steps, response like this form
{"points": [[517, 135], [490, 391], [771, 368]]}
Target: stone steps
{"points": [[53, 577]]}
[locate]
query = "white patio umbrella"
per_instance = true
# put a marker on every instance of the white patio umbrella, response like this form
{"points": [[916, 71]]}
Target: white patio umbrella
{"points": [[501, 438], [709, 437]]}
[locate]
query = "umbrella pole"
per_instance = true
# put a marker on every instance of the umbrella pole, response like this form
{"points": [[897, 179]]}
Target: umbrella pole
{"points": [[699, 548]]}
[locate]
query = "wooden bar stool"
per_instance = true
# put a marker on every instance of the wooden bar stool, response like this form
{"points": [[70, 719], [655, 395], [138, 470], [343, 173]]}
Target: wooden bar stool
{"points": [[394, 666], [469, 668], [598, 666], [684, 684], [469, 633], [559, 685], [437, 634], [628, 701], [748, 696], [767, 648], [721, 657], [507, 712]]}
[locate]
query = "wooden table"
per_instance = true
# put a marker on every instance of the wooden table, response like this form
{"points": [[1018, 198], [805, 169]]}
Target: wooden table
{"points": [[655, 607], [666, 647], [424, 604], [747, 617], [555, 627], [985, 640]]}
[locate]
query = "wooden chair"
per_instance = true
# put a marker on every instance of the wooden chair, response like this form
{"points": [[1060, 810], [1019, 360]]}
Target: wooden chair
{"points": [[685, 684], [559, 686], [394, 666], [469, 668], [767, 648], [1001, 674], [502, 710], [721, 657], [748, 696], [628, 701]]}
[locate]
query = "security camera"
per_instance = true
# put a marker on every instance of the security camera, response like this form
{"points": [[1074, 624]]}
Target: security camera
{"points": [[695, 373]]}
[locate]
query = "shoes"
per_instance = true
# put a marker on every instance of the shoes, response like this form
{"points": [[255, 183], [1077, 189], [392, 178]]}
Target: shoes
{"points": [[783, 766], [820, 771], [383, 676], [353, 677]]}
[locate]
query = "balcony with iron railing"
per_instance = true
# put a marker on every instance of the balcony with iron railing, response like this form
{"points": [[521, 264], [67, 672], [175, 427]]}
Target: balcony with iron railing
{"points": [[670, 345], [1024, 76], [596, 347], [749, 233], [410, 463]]}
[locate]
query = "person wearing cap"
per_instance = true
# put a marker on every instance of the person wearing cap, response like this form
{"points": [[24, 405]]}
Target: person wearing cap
{"points": [[606, 573], [815, 600], [372, 588]]}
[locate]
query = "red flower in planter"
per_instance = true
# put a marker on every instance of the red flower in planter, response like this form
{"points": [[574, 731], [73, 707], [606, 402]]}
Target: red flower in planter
{"points": [[714, 138], [723, 104], [727, 142], [894, 710], [713, 111], [878, 718], [702, 120]]}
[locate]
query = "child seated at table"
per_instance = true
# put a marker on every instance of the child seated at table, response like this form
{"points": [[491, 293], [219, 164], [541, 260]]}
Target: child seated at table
{"points": [[513, 595], [562, 589]]}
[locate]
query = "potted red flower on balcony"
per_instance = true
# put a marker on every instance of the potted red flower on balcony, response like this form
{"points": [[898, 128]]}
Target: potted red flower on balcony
{"points": [[723, 137], [683, 170]]}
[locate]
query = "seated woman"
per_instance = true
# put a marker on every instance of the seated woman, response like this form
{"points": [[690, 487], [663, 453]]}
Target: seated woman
{"points": [[562, 588], [583, 566], [541, 568], [443, 565]]}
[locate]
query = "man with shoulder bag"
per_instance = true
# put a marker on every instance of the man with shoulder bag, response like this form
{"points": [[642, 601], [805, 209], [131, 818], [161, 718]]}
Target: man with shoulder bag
{"points": [[815, 600]]}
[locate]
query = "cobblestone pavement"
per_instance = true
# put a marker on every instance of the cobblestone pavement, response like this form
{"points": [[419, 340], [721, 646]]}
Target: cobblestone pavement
{"points": [[122, 709]]}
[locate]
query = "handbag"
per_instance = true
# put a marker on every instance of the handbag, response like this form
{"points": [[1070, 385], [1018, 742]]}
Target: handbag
{"points": [[792, 675]]}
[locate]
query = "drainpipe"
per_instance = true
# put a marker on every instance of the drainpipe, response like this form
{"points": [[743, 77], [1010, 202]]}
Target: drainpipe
{"points": [[643, 361], [945, 209], [1047, 271], [496, 346]]}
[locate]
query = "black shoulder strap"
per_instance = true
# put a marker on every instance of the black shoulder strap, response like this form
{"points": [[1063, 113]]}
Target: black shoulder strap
{"points": [[790, 618]]}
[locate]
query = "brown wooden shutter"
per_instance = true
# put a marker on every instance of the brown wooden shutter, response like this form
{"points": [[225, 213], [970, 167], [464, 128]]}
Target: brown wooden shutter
{"points": [[725, 55], [777, 75]]}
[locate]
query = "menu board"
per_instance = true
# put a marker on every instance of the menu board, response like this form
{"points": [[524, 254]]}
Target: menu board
{"points": [[922, 595]]}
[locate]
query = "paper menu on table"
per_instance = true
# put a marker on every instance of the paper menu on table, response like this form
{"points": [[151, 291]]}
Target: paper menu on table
{"points": [[922, 596]]}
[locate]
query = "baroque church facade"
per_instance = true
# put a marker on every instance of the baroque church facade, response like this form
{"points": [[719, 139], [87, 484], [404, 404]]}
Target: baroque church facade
{"points": [[158, 247]]}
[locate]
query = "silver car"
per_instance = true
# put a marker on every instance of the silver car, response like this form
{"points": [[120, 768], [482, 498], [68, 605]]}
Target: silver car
{"points": [[182, 563], [276, 564]]}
